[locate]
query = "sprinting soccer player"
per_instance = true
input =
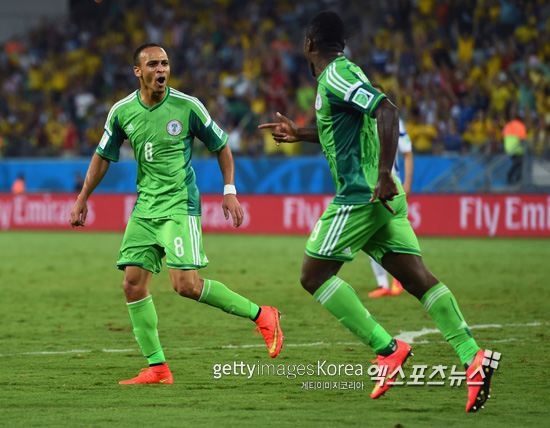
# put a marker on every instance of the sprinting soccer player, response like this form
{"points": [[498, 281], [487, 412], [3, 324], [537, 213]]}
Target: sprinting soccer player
{"points": [[404, 148], [161, 124], [358, 131]]}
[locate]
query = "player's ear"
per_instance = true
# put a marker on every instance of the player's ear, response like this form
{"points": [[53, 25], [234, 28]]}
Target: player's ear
{"points": [[309, 45], [137, 71]]}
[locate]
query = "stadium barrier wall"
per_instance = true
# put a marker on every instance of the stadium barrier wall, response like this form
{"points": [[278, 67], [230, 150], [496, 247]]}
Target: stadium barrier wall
{"points": [[258, 176], [430, 215]]}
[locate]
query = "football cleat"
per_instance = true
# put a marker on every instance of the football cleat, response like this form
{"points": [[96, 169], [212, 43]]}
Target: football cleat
{"points": [[154, 374], [269, 327], [380, 292], [478, 379], [396, 287], [388, 367]]}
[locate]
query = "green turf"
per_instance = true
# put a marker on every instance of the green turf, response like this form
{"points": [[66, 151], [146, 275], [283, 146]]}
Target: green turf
{"points": [[61, 292]]}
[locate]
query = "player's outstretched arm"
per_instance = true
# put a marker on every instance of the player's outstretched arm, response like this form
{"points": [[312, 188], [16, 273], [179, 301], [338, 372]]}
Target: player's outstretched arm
{"points": [[231, 205], [96, 171], [387, 122], [286, 131]]}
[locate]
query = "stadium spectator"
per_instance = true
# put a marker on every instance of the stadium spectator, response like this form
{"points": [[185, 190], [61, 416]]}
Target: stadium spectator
{"points": [[78, 182], [541, 138], [18, 186], [514, 135], [480, 131], [234, 139], [463, 111], [166, 217], [422, 134], [501, 96], [305, 96], [460, 48], [369, 211], [452, 139]]}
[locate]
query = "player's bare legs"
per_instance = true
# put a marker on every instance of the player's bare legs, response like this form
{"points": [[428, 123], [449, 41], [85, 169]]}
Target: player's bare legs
{"points": [[336, 296], [411, 272], [136, 283], [143, 316], [315, 272], [187, 283], [440, 303]]}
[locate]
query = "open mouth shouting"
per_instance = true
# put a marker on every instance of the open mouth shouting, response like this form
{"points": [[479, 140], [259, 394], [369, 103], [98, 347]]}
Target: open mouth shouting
{"points": [[161, 81]]}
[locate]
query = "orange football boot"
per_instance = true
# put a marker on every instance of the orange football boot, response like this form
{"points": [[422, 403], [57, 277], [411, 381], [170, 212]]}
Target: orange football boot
{"points": [[154, 374], [380, 292], [269, 327], [396, 287], [393, 362], [478, 379]]}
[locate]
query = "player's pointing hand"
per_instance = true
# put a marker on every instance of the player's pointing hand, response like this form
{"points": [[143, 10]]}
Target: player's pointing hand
{"points": [[385, 190], [284, 131]]}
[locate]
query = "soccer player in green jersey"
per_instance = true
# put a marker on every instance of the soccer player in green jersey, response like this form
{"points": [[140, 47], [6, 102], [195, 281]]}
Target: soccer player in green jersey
{"points": [[161, 125], [358, 129]]}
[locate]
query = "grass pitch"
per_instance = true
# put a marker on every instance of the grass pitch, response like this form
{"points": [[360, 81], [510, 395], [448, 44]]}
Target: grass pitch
{"points": [[66, 339]]}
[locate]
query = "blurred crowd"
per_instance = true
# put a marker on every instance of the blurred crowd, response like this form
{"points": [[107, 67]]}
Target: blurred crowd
{"points": [[458, 70]]}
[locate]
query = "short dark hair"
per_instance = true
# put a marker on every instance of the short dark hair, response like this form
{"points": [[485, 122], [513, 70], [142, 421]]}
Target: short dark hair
{"points": [[327, 31], [141, 48]]}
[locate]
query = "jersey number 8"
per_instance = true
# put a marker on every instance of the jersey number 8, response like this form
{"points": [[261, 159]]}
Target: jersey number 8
{"points": [[149, 152], [178, 244]]}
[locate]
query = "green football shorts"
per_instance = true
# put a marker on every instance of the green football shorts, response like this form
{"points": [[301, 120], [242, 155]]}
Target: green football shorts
{"points": [[147, 241], [343, 230]]}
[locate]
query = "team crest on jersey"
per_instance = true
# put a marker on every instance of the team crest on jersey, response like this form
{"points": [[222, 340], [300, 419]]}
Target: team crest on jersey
{"points": [[174, 127], [318, 102]]}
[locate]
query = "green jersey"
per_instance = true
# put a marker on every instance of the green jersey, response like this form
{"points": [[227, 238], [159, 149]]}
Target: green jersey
{"points": [[345, 106], [162, 139]]}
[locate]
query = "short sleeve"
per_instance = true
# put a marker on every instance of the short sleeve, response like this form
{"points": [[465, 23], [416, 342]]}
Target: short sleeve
{"points": [[203, 127], [112, 139], [365, 99], [352, 89]]}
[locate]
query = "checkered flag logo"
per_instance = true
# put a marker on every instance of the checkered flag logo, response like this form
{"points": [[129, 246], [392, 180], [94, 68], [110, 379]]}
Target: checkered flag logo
{"points": [[491, 359]]}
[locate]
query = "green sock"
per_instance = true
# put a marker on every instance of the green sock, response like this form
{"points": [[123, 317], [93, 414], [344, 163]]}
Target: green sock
{"points": [[341, 301], [216, 294], [442, 307], [144, 320], [388, 350]]}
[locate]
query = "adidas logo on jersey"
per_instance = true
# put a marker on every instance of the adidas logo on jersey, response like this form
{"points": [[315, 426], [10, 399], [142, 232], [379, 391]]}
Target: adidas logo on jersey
{"points": [[129, 128], [347, 251]]}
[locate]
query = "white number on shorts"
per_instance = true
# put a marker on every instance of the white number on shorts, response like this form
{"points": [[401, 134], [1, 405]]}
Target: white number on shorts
{"points": [[178, 243], [316, 230], [149, 152]]}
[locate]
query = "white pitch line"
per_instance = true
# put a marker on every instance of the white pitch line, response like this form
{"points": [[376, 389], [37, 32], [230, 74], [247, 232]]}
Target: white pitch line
{"points": [[202, 348], [406, 336], [409, 336], [73, 351]]}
